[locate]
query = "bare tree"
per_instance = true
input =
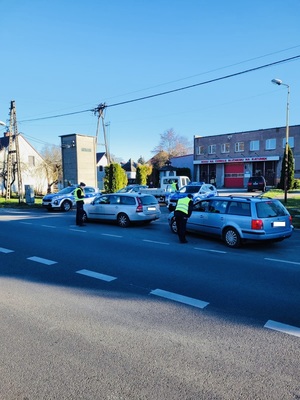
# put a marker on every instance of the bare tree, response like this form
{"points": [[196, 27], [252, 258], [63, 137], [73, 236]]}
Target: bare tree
{"points": [[52, 164], [173, 144]]}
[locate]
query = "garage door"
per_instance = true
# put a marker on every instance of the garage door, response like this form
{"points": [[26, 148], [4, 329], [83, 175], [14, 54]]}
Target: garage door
{"points": [[234, 175]]}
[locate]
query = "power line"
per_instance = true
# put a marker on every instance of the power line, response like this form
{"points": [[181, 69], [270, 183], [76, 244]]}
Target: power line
{"points": [[56, 116], [103, 105], [205, 82]]}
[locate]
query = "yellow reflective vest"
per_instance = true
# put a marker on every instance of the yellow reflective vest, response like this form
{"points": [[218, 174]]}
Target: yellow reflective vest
{"points": [[183, 205], [76, 194]]}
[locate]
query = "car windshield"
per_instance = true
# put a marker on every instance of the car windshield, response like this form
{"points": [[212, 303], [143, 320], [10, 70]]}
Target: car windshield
{"points": [[268, 209], [66, 190], [189, 189]]}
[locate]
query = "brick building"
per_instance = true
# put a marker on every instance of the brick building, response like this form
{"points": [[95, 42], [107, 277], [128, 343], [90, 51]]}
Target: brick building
{"points": [[228, 160]]}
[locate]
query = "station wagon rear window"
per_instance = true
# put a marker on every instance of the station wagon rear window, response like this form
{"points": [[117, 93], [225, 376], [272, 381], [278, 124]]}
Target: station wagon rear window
{"points": [[147, 200], [268, 209]]}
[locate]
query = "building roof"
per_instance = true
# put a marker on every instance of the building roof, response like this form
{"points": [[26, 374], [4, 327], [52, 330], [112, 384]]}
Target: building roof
{"points": [[99, 156], [130, 166]]}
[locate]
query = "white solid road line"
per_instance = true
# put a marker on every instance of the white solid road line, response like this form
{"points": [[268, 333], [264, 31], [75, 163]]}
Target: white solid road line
{"points": [[277, 326], [42, 260], [96, 275], [178, 297]]}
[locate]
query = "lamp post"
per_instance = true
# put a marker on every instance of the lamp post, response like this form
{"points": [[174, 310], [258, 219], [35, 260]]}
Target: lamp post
{"points": [[279, 82]]}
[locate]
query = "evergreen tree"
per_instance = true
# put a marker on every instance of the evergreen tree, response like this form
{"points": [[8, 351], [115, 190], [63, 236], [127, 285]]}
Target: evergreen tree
{"points": [[142, 173], [115, 178], [290, 169]]}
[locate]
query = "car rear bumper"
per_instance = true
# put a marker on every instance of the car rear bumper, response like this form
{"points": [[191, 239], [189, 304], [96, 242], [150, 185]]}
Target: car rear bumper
{"points": [[262, 235]]}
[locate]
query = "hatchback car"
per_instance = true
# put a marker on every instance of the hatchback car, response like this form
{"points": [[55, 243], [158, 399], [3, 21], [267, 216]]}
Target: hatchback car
{"points": [[199, 190], [237, 219], [123, 208], [256, 183], [64, 200]]}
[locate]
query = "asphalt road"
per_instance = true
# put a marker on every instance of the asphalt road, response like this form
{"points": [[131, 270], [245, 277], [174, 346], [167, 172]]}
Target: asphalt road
{"points": [[102, 312]]}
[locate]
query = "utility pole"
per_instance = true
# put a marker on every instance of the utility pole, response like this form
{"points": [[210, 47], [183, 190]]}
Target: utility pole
{"points": [[99, 111], [13, 148]]}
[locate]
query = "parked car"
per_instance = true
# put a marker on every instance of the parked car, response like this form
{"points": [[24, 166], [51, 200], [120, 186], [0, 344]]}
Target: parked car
{"points": [[237, 219], [64, 200], [123, 208], [256, 183], [199, 190], [132, 188]]}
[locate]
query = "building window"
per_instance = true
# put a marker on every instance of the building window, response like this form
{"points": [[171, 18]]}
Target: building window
{"points": [[291, 142], [254, 145], [199, 150], [238, 147], [225, 148], [212, 149], [100, 168], [31, 161], [270, 144]]}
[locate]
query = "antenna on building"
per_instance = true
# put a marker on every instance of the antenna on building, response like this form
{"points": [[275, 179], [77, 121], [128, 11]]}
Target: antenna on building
{"points": [[13, 164], [100, 111]]}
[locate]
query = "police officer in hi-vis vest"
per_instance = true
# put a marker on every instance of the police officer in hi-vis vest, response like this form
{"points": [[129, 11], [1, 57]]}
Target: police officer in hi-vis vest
{"points": [[182, 212], [79, 195]]}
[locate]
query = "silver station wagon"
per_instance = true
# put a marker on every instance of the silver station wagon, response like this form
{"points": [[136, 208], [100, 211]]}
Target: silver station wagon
{"points": [[123, 208], [237, 219]]}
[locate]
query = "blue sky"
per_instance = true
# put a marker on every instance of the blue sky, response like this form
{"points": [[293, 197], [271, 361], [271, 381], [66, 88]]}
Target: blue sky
{"points": [[64, 56]]}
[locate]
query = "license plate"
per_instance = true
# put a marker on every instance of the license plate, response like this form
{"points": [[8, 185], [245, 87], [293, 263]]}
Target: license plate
{"points": [[278, 223], [151, 208]]}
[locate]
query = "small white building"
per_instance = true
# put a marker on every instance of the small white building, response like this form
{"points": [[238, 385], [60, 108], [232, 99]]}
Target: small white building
{"points": [[101, 163], [31, 164]]}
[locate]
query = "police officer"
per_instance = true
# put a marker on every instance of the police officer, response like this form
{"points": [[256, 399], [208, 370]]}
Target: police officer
{"points": [[182, 212], [174, 186], [79, 195]]}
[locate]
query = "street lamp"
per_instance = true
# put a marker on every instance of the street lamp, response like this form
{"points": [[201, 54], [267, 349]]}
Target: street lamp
{"points": [[279, 82]]}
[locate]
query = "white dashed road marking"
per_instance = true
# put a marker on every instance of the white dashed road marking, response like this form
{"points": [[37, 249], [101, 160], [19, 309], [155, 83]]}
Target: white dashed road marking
{"points": [[153, 241], [42, 260], [2, 250], [282, 261], [178, 297], [212, 251], [96, 275], [277, 326], [107, 234]]}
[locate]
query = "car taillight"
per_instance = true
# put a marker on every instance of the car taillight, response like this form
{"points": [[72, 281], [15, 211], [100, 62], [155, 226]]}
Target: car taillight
{"points": [[257, 224], [140, 205], [291, 219]]}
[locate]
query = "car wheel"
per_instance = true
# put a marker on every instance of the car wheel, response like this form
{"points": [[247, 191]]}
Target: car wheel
{"points": [[232, 237], [123, 220], [66, 206], [173, 225]]}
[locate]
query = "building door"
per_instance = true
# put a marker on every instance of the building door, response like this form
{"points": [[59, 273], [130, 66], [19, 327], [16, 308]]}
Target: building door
{"points": [[234, 175]]}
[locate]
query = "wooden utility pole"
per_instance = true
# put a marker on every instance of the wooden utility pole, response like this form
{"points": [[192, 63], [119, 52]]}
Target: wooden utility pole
{"points": [[13, 149]]}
